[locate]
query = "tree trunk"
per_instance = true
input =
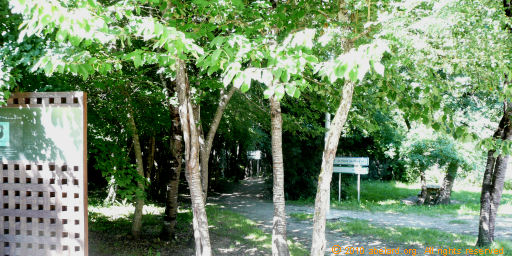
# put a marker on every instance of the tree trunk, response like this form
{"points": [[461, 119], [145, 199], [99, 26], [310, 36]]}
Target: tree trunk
{"points": [[171, 203], [112, 191], [139, 196], [279, 244], [207, 145], [446, 190], [493, 181], [191, 138], [495, 171], [324, 179], [151, 157], [424, 192]]}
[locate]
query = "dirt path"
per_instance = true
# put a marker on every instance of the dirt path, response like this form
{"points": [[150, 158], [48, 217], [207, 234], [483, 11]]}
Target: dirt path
{"points": [[248, 199]]}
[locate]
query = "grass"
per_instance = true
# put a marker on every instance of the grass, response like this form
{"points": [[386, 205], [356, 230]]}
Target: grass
{"points": [[245, 231], [406, 235], [378, 196], [110, 226], [413, 236], [301, 215], [458, 222]]}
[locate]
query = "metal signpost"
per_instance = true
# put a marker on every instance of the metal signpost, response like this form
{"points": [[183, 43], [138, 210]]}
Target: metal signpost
{"points": [[354, 165]]}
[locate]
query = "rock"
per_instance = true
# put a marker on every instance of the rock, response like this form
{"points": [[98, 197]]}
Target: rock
{"points": [[410, 200]]}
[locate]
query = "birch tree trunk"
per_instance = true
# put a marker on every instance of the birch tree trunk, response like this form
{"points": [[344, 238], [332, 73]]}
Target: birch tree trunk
{"points": [[206, 147], [324, 179], [493, 181], [171, 203], [139, 197], [191, 138], [279, 244]]}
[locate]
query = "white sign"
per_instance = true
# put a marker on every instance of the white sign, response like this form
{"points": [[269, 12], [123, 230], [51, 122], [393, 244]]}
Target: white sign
{"points": [[362, 161], [354, 165], [256, 155], [354, 170]]}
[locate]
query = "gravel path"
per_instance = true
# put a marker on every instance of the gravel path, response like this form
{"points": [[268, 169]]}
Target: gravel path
{"points": [[248, 200]]}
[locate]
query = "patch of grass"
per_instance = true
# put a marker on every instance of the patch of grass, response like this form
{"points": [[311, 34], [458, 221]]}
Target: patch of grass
{"points": [[301, 215], [379, 196], [458, 222], [412, 236], [110, 228], [242, 230]]}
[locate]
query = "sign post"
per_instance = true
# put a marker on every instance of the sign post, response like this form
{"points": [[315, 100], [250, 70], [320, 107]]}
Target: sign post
{"points": [[353, 165], [255, 155]]}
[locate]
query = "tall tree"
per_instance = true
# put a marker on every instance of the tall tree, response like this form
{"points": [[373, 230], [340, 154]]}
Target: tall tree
{"points": [[206, 147], [191, 138], [139, 200], [496, 168], [324, 180], [279, 243], [171, 201]]}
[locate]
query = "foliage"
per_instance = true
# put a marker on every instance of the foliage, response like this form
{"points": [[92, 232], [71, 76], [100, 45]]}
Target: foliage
{"points": [[440, 54], [423, 154]]}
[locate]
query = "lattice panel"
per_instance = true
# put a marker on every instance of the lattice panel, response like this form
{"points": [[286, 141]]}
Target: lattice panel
{"points": [[43, 208]]}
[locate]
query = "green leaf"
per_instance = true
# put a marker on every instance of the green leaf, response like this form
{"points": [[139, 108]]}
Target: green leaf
{"points": [[48, 68], [46, 19], [217, 41], [279, 92], [216, 55], [340, 70], [459, 132], [245, 87], [212, 69], [137, 59], [61, 35], [352, 75], [159, 28], [73, 68], [292, 90], [311, 58], [285, 76], [277, 72], [82, 70]]}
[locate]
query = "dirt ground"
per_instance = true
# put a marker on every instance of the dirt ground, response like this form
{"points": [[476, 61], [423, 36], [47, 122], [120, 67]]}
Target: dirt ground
{"points": [[249, 199]]}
